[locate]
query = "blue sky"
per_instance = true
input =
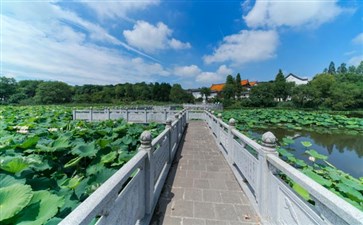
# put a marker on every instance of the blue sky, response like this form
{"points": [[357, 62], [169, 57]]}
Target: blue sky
{"points": [[194, 43]]}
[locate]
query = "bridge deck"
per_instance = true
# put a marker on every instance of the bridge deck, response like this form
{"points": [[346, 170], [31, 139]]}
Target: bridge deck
{"points": [[201, 188]]}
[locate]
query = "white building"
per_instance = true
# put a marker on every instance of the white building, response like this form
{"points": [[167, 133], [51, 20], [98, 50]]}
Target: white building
{"points": [[297, 80]]}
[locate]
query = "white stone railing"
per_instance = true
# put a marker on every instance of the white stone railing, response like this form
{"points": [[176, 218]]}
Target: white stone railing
{"points": [[256, 168], [130, 195], [202, 106], [129, 115]]}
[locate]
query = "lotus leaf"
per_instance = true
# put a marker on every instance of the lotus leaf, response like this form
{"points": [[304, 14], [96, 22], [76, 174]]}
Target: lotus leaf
{"points": [[7, 180], [41, 208], [15, 165], [28, 143], [13, 199], [301, 191], [351, 192], [73, 162], [86, 150], [316, 155], [306, 144], [317, 178], [110, 157]]}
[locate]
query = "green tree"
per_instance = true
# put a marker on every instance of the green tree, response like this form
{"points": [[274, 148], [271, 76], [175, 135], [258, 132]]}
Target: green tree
{"points": [[205, 92], [342, 69], [28, 87], [344, 95], [280, 87], [331, 69], [238, 86], [261, 95], [351, 69], [178, 95], [359, 68], [130, 94], [53, 92], [7, 88], [301, 96], [320, 89], [229, 88]]}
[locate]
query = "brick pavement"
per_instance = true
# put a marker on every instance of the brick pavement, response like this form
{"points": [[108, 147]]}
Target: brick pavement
{"points": [[201, 188]]}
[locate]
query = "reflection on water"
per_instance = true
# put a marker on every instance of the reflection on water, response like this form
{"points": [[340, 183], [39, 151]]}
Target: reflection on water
{"points": [[345, 151]]}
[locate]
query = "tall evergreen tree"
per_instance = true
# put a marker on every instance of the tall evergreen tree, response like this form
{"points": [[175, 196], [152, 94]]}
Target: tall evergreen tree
{"points": [[342, 69], [229, 88], [205, 92], [351, 69], [331, 69], [280, 86], [238, 86]]}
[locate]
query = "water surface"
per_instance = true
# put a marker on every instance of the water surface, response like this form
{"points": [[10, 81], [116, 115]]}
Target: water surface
{"points": [[345, 151]]}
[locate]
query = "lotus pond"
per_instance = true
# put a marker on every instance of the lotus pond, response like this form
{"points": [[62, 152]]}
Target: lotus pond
{"points": [[49, 164], [319, 144]]}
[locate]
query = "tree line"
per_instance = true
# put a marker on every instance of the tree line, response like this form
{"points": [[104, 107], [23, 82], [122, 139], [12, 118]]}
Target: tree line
{"points": [[337, 89], [28, 92]]}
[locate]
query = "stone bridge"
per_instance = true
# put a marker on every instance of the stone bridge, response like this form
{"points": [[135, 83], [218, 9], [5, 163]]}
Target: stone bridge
{"points": [[200, 170]]}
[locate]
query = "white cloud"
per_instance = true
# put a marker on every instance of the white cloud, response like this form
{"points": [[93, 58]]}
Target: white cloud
{"points": [[43, 15], [208, 78], [358, 40], [269, 13], [355, 61], [63, 47], [150, 38], [191, 73], [118, 9], [246, 46], [175, 44], [224, 70], [187, 71]]}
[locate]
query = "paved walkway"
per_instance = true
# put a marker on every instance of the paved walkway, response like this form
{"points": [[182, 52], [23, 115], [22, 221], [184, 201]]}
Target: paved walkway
{"points": [[201, 188]]}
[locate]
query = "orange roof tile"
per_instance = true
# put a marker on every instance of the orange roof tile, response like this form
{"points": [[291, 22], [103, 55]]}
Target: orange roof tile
{"points": [[217, 87], [244, 82], [253, 83]]}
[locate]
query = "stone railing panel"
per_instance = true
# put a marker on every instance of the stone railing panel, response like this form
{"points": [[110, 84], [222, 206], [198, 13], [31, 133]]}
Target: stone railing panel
{"points": [[160, 155], [123, 199], [130, 115], [256, 167], [246, 163], [126, 208]]}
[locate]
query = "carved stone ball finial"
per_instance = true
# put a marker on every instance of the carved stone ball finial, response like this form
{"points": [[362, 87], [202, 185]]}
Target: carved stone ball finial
{"points": [[232, 122], [269, 139], [219, 115], [168, 122], [146, 138]]}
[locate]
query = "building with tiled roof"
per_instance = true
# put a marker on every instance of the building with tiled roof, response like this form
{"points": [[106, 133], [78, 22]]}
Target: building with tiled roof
{"points": [[244, 83], [295, 79]]}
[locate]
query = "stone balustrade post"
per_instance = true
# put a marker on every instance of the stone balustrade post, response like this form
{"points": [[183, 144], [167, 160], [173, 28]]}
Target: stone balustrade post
{"points": [[74, 113], [127, 115], [219, 127], [145, 140], [231, 123], [168, 126], [145, 115], [90, 113], [165, 115], [108, 113], [264, 194], [177, 126]]}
